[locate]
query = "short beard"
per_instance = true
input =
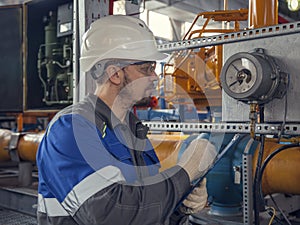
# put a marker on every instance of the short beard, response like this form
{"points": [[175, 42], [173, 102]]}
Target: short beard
{"points": [[124, 93], [126, 79]]}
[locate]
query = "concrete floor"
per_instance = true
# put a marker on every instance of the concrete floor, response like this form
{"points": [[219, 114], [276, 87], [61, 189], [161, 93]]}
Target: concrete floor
{"points": [[9, 217]]}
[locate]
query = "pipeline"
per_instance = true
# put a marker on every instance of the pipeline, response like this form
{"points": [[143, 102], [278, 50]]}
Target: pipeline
{"points": [[282, 174], [26, 145], [167, 148]]}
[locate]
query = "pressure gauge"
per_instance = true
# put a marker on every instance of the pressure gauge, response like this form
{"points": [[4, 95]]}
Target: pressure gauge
{"points": [[251, 76]]}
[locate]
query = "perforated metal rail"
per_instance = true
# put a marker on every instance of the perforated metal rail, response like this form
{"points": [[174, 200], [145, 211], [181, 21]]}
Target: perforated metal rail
{"points": [[245, 35], [289, 129]]}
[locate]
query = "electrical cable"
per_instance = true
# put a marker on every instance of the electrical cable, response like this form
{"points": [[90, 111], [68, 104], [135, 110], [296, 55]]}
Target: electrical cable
{"points": [[260, 174], [273, 154], [256, 185], [278, 221], [280, 210], [273, 215], [284, 119], [285, 111]]}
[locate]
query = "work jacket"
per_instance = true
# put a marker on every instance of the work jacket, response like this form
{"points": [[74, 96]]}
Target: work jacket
{"points": [[93, 169]]}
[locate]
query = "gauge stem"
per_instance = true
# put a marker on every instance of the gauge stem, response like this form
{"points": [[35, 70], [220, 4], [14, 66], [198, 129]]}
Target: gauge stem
{"points": [[253, 118]]}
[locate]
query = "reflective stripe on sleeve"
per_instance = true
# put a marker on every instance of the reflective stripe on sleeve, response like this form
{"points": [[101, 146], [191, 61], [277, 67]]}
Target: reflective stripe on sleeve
{"points": [[51, 207], [89, 186]]}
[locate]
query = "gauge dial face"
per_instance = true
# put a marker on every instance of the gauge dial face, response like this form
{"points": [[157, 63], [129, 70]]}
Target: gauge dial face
{"points": [[241, 76]]}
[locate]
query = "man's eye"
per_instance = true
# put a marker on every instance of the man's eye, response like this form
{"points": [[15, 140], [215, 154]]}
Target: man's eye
{"points": [[144, 70], [147, 69]]}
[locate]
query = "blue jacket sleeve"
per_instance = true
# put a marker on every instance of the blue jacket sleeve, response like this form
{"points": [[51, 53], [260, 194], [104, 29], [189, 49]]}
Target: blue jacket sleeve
{"points": [[87, 182]]}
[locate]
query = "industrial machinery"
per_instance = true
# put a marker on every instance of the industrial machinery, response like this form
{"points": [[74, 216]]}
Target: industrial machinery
{"points": [[252, 183], [197, 73], [259, 100], [251, 76], [55, 57], [37, 36], [36, 81]]}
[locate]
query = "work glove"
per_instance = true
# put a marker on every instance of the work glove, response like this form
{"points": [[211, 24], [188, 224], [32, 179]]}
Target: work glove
{"points": [[197, 157], [196, 200]]}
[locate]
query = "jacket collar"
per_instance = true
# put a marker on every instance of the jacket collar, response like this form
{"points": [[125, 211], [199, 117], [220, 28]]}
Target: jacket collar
{"points": [[106, 114]]}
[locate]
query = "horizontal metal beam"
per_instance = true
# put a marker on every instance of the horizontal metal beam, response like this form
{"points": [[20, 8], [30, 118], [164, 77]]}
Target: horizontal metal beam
{"points": [[19, 199], [246, 35], [264, 128]]}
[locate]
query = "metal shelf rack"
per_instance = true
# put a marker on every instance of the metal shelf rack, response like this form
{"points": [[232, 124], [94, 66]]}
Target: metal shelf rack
{"points": [[245, 35], [193, 127]]}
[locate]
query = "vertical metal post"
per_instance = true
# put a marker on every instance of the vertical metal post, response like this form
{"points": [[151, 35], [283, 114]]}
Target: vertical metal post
{"points": [[85, 12], [176, 29], [247, 189], [79, 29], [25, 174], [76, 50]]}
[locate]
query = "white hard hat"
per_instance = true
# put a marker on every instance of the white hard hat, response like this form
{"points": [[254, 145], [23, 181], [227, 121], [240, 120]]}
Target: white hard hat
{"points": [[118, 37]]}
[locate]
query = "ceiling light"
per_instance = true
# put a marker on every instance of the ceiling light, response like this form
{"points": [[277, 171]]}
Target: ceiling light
{"points": [[293, 5]]}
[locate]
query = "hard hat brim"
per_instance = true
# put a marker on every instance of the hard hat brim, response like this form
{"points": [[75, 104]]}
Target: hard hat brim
{"points": [[87, 63]]}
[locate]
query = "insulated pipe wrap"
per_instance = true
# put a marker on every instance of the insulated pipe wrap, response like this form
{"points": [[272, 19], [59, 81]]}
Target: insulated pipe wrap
{"points": [[4, 142], [282, 173]]}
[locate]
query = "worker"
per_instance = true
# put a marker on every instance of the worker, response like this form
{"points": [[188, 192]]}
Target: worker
{"points": [[95, 163]]}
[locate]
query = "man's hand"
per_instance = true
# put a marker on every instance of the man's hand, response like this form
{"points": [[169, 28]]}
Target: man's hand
{"points": [[196, 200], [197, 158]]}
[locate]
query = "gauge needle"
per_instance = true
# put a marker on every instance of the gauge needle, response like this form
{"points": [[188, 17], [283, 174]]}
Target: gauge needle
{"points": [[235, 67], [233, 83]]}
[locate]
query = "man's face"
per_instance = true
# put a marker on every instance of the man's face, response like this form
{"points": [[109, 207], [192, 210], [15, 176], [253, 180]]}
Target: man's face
{"points": [[138, 81]]}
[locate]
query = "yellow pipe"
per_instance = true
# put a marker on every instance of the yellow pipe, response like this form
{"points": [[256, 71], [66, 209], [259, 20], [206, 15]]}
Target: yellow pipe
{"points": [[262, 13], [27, 145], [167, 148], [282, 174]]}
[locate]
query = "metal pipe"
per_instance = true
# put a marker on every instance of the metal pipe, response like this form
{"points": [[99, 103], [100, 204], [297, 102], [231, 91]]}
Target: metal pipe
{"points": [[167, 148], [262, 13], [26, 147], [282, 174], [4, 142]]}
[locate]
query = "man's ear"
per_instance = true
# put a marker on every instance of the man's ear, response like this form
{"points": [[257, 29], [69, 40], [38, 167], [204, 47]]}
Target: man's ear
{"points": [[113, 73]]}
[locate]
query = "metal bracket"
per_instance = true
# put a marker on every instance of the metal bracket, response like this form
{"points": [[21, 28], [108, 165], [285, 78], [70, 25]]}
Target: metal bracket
{"points": [[247, 190], [12, 147]]}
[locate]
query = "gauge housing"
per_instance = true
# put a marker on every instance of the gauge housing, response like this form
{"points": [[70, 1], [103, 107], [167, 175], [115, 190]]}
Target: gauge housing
{"points": [[253, 76]]}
